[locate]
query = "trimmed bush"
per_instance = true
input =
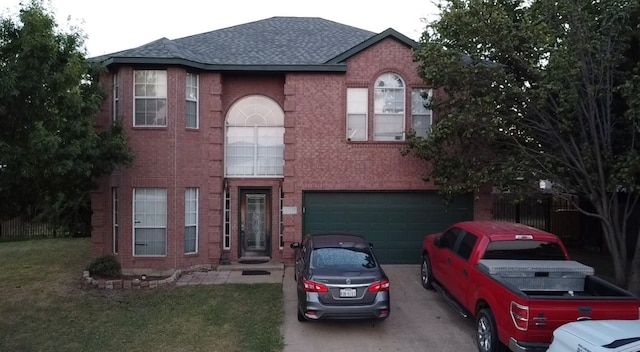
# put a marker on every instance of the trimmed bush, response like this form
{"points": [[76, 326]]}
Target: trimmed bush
{"points": [[106, 266]]}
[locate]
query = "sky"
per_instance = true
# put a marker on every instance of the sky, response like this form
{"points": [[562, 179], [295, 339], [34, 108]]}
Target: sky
{"points": [[116, 25]]}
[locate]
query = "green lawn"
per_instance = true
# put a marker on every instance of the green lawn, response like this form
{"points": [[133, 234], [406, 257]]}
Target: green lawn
{"points": [[44, 308]]}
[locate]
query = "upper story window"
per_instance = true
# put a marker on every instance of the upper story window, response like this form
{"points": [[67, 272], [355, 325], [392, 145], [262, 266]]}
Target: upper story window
{"points": [[150, 98], [357, 107], [389, 108], [116, 97], [421, 116], [192, 120], [254, 144]]}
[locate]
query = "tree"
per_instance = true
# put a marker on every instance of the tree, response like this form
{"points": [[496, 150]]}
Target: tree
{"points": [[50, 152], [540, 90]]}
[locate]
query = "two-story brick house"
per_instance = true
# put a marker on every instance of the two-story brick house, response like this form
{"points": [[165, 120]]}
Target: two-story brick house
{"points": [[249, 136]]}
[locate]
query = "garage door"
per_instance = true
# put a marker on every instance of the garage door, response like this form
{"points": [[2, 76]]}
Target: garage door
{"points": [[395, 223]]}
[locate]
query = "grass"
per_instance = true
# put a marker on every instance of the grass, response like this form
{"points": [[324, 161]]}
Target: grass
{"points": [[44, 308]]}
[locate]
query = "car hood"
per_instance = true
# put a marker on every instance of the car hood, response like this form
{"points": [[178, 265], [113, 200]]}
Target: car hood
{"points": [[603, 332]]}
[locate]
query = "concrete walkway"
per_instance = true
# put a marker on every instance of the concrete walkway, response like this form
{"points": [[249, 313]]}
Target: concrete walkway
{"points": [[235, 274]]}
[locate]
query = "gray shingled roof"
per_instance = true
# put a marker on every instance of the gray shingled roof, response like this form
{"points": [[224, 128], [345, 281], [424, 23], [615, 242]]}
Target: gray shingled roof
{"points": [[273, 43]]}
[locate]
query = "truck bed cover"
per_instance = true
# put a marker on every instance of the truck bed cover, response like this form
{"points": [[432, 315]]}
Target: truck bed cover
{"points": [[538, 275]]}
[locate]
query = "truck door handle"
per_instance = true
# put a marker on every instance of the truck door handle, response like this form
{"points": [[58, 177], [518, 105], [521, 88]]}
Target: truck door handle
{"points": [[584, 310], [464, 272], [449, 260]]}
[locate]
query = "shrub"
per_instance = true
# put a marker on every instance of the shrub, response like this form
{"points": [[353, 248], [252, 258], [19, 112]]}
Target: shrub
{"points": [[105, 266]]}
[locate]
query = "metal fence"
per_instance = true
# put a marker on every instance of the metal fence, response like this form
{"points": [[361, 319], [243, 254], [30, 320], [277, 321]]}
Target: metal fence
{"points": [[22, 229], [544, 211], [560, 216]]}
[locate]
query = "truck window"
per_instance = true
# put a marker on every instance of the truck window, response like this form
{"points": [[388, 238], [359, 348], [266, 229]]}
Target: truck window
{"points": [[466, 245], [450, 237], [524, 249]]}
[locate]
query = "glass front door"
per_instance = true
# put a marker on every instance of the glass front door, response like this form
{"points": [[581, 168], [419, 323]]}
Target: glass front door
{"points": [[254, 223]]}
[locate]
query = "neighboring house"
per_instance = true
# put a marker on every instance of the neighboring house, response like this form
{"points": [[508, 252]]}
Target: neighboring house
{"points": [[249, 136]]}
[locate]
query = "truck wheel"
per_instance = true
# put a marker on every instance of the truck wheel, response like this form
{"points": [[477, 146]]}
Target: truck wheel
{"points": [[487, 333], [426, 273]]}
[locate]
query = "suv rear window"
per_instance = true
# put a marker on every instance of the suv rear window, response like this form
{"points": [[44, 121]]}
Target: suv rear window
{"points": [[524, 249], [342, 258]]}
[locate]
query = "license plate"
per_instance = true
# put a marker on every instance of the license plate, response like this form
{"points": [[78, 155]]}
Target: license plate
{"points": [[347, 292]]}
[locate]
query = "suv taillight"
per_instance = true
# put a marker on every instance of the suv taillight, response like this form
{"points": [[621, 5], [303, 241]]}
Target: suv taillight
{"points": [[312, 286], [520, 316], [379, 286]]}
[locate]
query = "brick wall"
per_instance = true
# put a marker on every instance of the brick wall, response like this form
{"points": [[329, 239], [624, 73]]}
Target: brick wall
{"points": [[317, 154], [319, 157]]}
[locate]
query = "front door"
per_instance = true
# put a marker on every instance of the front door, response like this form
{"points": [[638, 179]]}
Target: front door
{"points": [[255, 223]]}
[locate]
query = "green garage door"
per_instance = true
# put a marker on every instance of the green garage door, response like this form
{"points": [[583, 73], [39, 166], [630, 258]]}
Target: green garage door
{"points": [[395, 223]]}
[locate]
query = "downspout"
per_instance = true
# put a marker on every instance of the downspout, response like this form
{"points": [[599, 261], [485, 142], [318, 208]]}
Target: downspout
{"points": [[175, 180]]}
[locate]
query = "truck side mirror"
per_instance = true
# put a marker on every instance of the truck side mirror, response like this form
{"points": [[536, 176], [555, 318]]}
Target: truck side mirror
{"points": [[437, 241]]}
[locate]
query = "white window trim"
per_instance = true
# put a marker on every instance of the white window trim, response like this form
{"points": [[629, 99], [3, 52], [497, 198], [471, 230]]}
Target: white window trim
{"points": [[226, 221], [271, 118], [354, 109], [116, 97], [166, 100], [197, 213], [376, 134], [196, 100], [115, 214], [133, 226], [429, 111], [281, 219]]}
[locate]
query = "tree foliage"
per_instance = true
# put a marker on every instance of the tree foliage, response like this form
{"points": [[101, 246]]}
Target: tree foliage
{"points": [[539, 90], [50, 152]]}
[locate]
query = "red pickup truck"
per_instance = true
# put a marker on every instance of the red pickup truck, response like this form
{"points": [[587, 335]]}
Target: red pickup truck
{"points": [[518, 282]]}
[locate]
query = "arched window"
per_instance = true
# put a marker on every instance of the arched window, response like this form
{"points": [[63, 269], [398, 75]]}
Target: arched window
{"points": [[254, 143], [389, 108]]}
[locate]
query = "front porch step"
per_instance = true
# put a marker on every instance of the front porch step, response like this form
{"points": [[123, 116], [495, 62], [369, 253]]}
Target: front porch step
{"points": [[236, 266], [254, 259]]}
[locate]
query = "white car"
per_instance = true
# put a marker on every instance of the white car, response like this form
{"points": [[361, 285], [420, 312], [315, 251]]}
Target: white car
{"points": [[596, 336]]}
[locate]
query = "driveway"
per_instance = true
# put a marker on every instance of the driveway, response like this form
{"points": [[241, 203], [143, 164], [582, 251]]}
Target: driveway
{"points": [[420, 320]]}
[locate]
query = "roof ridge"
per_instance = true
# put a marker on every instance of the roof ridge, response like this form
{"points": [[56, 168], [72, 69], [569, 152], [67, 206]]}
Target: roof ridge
{"points": [[300, 43]]}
